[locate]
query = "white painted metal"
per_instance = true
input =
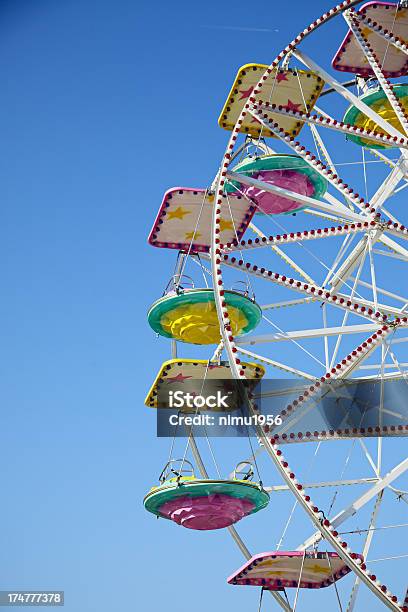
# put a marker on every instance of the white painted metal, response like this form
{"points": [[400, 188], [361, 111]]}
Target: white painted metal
{"points": [[367, 545], [323, 484], [342, 211], [307, 333], [286, 303], [360, 502], [277, 364], [283, 255]]}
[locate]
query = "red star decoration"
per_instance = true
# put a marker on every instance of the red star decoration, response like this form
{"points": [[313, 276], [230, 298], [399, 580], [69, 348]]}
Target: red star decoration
{"points": [[291, 106], [178, 378], [254, 120], [281, 76], [212, 367], [245, 93]]}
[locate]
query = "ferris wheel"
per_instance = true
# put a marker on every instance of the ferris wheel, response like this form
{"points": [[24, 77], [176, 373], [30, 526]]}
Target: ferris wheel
{"points": [[281, 242]]}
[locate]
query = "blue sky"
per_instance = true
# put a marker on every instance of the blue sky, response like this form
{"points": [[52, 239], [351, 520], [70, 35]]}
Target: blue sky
{"points": [[104, 105]]}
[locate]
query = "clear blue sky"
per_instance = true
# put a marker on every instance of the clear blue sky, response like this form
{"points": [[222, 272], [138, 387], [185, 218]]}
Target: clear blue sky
{"points": [[104, 105]]}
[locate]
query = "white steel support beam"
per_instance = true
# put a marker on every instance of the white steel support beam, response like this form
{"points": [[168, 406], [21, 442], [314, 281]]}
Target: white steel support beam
{"points": [[393, 296], [388, 186], [386, 366], [349, 264], [367, 545], [283, 255], [298, 286], [388, 254], [287, 303], [394, 246], [277, 364], [325, 483], [390, 310], [307, 333], [361, 501], [306, 235]]}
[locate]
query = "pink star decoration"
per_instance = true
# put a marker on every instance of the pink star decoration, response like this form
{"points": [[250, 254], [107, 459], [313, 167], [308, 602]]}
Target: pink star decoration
{"points": [[245, 93], [178, 378], [281, 76], [291, 106]]}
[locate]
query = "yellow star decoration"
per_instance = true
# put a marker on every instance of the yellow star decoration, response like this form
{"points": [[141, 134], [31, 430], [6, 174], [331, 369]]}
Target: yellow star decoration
{"points": [[224, 225], [192, 235], [401, 15], [211, 198], [318, 569], [178, 213], [365, 32], [269, 562]]}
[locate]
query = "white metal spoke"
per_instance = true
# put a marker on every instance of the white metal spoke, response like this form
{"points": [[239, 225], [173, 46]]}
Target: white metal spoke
{"points": [[372, 272], [342, 212], [323, 484], [388, 254], [368, 456], [346, 244], [277, 364], [390, 294], [294, 341], [387, 187], [377, 366], [283, 255], [360, 502], [367, 545], [351, 262], [325, 337], [389, 242], [321, 215], [308, 333], [391, 376], [346, 314], [305, 235], [319, 293], [286, 303]]}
